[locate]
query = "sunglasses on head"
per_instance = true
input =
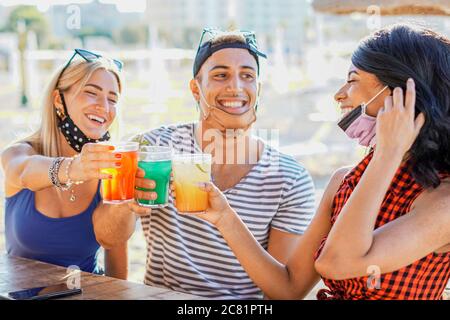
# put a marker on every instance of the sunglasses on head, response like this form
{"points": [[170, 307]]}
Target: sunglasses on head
{"points": [[90, 56], [249, 36]]}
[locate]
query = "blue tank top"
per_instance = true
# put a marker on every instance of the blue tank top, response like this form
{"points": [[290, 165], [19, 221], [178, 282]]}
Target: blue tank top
{"points": [[61, 241]]}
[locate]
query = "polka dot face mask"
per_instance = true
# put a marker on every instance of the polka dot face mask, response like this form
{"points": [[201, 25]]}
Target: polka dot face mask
{"points": [[74, 136]]}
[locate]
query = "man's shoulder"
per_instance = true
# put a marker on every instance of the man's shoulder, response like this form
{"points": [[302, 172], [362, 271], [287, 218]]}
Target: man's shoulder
{"points": [[286, 163], [170, 128], [165, 131]]}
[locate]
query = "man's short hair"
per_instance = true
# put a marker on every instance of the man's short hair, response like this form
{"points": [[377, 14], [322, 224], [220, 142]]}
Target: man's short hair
{"points": [[227, 37]]}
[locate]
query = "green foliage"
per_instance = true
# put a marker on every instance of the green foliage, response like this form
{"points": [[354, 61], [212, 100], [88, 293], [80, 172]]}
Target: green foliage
{"points": [[132, 34], [190, 37], [33, 20], [91, 32]]}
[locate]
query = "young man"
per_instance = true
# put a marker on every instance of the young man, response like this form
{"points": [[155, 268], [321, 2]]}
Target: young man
{"points": [[271, 192]]}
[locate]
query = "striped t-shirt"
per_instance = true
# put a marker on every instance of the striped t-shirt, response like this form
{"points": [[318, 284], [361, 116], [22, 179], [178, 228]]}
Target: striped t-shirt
{"points": [[187, 254]]}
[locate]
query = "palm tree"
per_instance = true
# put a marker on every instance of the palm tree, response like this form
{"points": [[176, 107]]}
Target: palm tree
{"points": [[22, 20]]}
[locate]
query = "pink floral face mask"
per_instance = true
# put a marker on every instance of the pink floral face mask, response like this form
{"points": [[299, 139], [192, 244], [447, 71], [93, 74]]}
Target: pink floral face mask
{"points": [[357, 124]]}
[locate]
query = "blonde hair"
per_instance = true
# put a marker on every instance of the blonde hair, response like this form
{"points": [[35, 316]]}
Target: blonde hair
{"points": [[46, 140]]}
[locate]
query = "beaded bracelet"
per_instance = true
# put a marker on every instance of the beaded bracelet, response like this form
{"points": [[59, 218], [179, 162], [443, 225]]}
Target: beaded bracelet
{"points": [[53, 172], [69, 180]]}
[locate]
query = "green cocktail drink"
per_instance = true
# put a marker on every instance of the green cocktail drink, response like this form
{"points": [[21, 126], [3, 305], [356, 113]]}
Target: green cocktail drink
{"points": [[157, 164]]}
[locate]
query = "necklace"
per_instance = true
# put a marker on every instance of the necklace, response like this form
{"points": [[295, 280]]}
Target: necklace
{"points": [[72, 195]]}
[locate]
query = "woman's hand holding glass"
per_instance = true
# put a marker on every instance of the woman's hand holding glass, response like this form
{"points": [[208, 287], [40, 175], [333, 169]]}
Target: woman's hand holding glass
{"points": [[92, 158], [218, 207]]}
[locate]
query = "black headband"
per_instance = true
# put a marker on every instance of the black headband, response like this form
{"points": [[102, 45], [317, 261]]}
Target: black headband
{"points": [[207, 49]]}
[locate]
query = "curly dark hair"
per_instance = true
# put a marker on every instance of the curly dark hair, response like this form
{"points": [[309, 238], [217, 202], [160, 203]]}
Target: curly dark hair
{"points": [[401, 51]]}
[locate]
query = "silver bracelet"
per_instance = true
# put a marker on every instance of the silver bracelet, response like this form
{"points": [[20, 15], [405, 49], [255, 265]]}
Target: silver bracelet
{"points": [[53, 172]]}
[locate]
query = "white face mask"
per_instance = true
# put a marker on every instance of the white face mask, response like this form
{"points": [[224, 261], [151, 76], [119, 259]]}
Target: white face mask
{"points": [[216, 118]]}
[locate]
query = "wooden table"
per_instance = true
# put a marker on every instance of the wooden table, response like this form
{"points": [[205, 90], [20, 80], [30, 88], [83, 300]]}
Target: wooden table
{"points": [[19, 273]]}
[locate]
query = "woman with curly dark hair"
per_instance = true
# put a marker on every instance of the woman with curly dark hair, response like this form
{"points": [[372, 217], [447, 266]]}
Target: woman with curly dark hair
{"points": [[382, 229]]}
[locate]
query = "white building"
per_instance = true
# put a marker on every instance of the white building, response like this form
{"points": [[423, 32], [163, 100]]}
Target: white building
{"points": [[181, 21]]}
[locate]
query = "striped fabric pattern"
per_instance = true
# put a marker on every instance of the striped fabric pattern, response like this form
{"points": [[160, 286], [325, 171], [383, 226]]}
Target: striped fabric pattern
{"points": [[189, 255], [425, 279]]}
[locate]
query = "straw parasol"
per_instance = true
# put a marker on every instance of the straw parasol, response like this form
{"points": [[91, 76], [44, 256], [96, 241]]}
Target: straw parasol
{"points": [[387, 7]]}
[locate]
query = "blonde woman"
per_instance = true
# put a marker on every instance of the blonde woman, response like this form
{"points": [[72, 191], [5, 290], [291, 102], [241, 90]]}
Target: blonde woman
{"points": [[52, 177]]}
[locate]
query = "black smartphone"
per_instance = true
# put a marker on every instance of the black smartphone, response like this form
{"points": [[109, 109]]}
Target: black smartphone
{"points": [[41, 293]]}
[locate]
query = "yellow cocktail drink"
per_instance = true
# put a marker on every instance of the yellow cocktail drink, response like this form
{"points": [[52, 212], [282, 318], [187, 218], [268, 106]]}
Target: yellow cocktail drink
{"points": [[188, 171]]}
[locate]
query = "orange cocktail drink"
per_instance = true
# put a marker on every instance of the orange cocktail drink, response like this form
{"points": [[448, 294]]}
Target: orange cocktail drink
{"points": [[120, 188]]}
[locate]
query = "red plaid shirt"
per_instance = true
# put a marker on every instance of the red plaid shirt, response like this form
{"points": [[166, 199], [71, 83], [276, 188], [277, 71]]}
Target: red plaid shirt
{"points": [[423, 279]]}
